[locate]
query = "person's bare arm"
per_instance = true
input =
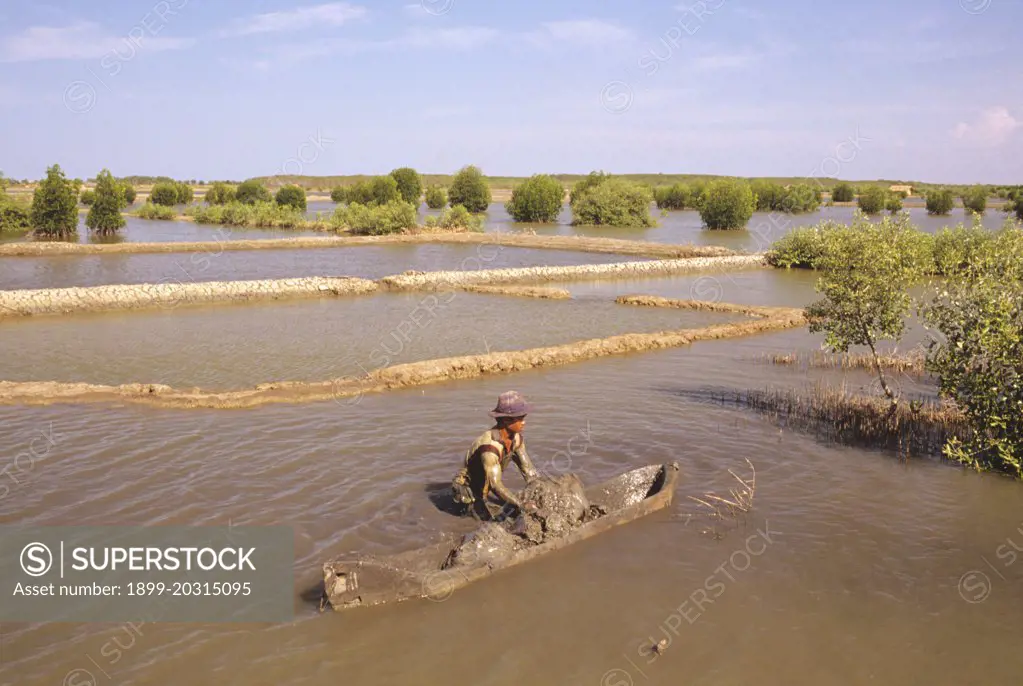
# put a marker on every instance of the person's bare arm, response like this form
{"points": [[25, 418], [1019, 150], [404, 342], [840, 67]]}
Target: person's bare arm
{"points": [[492, 467], [524, 463]]}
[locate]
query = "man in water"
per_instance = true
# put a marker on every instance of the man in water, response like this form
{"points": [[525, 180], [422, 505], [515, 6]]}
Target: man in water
{"points": [[489, 455]]}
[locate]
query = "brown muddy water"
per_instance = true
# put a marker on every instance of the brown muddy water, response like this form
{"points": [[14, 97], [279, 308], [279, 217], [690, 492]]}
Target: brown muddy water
{"points": [[854, 567], [62, 271], [855, 578], [137, 230], [309, 341]]}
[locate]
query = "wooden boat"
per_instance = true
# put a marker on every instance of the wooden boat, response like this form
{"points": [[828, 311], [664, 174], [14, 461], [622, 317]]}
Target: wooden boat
{"points": [[421, 573]]}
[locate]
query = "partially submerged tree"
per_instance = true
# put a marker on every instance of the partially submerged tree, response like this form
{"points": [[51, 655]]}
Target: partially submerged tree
{"points": [[252, 191], [15, 217], [470, 189], [843, 192], [866, 273], [164, 193], [105, 214], [436, 197], [975, 200], [185, 193], [873, 200], [939, 201], [592, 180], [55, 205], [894, 202], [410, 185], [538, 199], [129, 193], [220, 194], [291, 196], [674, 197], [978, 310], [87, 197], [727, 204], [613, 202]]}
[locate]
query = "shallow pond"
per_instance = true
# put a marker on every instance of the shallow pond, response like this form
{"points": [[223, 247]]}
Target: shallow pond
{"points": [[60, 271], [138, 230], [849, 564], [309, 340]]}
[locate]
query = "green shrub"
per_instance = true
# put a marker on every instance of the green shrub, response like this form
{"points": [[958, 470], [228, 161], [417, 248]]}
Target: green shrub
{"points": [[15, 217], [894, 202], [393, 217], [164, 193], [129, 193], [866, 271], [220, 194], [539, 199], [674, 197], [769, 196], [436, 197], [291, 196], [410, 185], [470, 190], [955, 249], [940, 201], [727, 204], [265, 214], [843, 192], [456, 218], [185, 193], [872, 200], [1017, 207], [151, 211], [380, 190], [592, 180], [87, 197], [613, 202], [339, 194], [251, 192], [975, 200], [803, 247], [105, 214], [978, 311], [800, 198], [55, 205]]}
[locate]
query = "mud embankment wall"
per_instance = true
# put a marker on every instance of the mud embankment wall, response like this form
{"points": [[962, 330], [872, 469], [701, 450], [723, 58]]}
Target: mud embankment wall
{"points": [[496, 281], [570, 243], [349, 389], [170, 295]]}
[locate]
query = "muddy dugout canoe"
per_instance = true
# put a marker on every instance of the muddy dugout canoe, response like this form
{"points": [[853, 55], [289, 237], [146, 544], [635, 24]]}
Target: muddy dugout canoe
{"points": [[420, 573]]}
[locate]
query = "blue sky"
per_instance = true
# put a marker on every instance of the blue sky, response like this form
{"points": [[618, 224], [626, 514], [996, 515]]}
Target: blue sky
{"points": [[922, 90]]}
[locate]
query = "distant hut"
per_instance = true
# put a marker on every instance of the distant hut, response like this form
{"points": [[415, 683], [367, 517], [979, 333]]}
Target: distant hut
{"points": [[896, 188]]}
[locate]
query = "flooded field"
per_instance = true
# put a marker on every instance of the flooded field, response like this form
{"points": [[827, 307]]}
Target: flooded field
{"points": [[138, 230], [60, 271], [850, 563], [676, 227], [309, 341]]}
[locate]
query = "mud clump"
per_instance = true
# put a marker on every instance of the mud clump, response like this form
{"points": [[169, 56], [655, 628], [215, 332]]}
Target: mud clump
{"points": [[491, 544], [551, 507]]}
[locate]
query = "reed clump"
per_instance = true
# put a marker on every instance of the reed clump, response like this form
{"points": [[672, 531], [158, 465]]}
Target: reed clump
{"points": [[920, 427], [904, 363], [152, 211]]}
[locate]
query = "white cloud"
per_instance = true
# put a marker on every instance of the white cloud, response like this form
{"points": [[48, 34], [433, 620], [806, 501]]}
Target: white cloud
{"points": [[329, 14], [82, 40], [460, 38], [992, 126], [593, 32]]}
